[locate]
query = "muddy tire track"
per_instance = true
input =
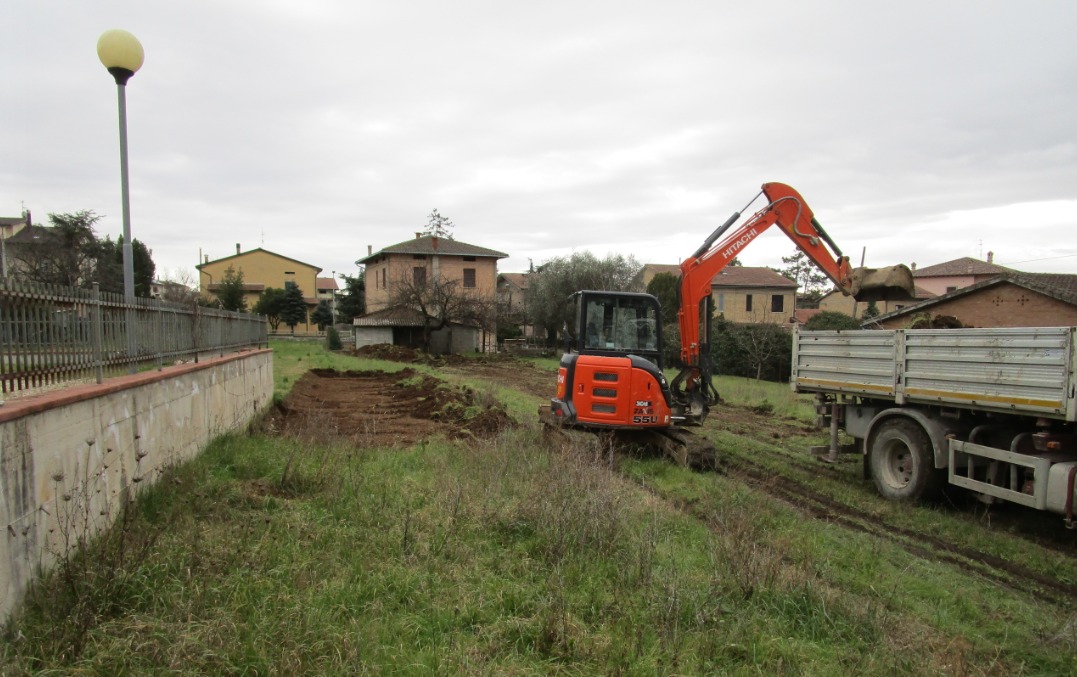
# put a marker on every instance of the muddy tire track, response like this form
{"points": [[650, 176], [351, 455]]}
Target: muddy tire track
{"points": [[918, 543]]}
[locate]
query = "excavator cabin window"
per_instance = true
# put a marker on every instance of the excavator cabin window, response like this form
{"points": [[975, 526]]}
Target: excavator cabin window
{"points": [[619, 323]]}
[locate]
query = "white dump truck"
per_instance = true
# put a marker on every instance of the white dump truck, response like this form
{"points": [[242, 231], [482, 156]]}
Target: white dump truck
{"points": [[990, 410]]}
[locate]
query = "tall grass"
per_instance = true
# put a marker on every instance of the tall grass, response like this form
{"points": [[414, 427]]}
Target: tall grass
{"points": [[501, 557]]}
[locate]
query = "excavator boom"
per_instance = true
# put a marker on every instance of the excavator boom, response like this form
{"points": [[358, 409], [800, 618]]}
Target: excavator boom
{"points": [[789, 211]]}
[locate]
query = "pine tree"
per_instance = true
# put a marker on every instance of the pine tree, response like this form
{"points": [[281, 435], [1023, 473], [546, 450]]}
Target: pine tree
{"points": [[295, 306]]}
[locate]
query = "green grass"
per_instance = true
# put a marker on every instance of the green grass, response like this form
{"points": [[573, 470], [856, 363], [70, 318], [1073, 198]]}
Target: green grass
{"points": [[267, 556]]}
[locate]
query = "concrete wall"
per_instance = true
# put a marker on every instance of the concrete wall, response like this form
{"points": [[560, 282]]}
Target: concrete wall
{"points": [[369, 336], [71, 458]]}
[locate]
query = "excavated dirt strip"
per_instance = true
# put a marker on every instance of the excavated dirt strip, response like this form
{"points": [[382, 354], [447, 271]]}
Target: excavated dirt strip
{"points": [[376, 408]]}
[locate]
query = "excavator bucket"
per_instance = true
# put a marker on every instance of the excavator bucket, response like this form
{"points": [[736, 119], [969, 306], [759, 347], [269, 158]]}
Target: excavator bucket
{"points": [[894, 283]]}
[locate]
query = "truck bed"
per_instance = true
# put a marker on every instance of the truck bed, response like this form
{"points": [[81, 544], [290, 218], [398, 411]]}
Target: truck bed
{"points": [[1027, 371]]}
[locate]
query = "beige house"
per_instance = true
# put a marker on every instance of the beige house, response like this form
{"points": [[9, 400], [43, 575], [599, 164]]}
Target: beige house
{"points": [[749, 294], [422, 260], [949, 276], [511, 301], [261, 270], [649, 270]]}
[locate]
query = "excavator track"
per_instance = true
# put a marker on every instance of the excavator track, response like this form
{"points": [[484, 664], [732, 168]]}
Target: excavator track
{"points": [[678, 444]]}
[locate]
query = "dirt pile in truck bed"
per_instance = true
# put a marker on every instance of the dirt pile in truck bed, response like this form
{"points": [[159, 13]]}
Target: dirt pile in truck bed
{"points": [[376, 408]]}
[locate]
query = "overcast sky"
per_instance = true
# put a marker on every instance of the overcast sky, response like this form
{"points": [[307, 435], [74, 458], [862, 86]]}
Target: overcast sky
{"points": [[917, 131]]}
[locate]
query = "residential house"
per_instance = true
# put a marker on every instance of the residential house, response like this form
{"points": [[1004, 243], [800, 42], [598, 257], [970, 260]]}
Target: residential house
{"points": [[512, 302], [949, 276], [649, 270], [327, 291], [1011, 300], [838, 302], [261, 270], [168, 290], [9, 225], [750, 294], [802, 315], [422, 260]]}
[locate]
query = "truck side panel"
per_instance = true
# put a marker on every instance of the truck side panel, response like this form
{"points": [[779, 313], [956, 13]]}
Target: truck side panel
{"points": [[1026, 371], [1012, 370], [846, 362]]}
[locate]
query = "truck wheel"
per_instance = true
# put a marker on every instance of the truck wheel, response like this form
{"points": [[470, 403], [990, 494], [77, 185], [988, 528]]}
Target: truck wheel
{"points": [[902, 461]]}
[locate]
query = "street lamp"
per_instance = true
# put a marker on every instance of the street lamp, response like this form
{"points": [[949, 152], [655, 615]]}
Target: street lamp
{"points": [[122, 55]]}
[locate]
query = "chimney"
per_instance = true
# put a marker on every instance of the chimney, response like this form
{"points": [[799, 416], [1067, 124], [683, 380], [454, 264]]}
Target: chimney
{"points": [[28, 218], [207, 259], [237, 248], [434, 243], [370, 250], [913, 267], [418, 235], [990, 257]]}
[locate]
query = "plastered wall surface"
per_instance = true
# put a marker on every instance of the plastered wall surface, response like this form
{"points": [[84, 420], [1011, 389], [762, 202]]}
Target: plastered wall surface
{"points": [[70, 459]]}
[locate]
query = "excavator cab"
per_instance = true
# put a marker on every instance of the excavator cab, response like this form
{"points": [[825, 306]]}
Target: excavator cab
{"points": [[611, 373], [617, 324]]}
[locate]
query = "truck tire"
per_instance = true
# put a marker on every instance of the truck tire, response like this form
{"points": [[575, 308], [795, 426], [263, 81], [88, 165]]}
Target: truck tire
{"points": [[902, 461]]}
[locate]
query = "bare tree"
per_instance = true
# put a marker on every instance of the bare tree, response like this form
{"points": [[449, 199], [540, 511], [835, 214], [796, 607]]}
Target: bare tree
{"points": [[440, 302], [178, 286]]}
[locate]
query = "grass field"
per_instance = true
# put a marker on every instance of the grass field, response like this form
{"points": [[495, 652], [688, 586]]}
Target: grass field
{"points": [[267, 556]]}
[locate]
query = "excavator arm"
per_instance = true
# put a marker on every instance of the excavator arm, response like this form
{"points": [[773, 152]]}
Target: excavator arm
{"points": [[692, 387]]}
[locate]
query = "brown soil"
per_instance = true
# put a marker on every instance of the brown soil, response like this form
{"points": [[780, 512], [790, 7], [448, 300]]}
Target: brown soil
{"points": [[376, 408]]}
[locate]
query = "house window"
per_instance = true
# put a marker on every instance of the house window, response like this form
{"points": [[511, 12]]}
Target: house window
{"points": [[419, 257], [418, 276], [469, 278], [721, 302], [383, 272], [777, 303], [469, 258], [950, 289], [748, 302]]}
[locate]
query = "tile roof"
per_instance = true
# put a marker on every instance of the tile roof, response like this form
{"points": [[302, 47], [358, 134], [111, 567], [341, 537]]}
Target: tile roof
{"points": [[520, 280], [673, 269], [1059, 286], [748, 276], [430, 245], [963, 266], [265, 251], [32, 234], [326, 283]]}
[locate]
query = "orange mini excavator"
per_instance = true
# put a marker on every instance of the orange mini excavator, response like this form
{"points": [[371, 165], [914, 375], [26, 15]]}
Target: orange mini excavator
{"points": [[611, 377]]}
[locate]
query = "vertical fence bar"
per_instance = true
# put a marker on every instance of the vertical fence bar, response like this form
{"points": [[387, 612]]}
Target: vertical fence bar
{"points": [[98, 330]]}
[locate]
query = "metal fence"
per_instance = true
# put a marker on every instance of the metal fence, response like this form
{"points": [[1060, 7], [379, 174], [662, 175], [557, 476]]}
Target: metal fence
{"points": [[53, 335]]}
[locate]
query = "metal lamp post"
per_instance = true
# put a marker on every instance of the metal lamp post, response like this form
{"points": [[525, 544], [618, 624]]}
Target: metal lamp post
{"points": [[122, 55]]}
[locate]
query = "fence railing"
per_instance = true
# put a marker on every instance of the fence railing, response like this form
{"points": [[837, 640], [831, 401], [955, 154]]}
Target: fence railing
{"points": [[52, 335]]}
